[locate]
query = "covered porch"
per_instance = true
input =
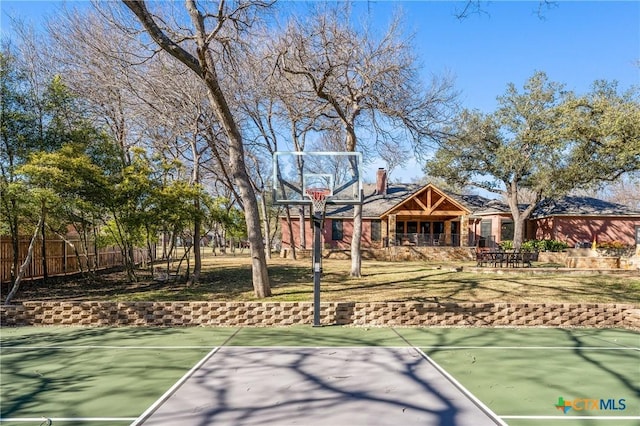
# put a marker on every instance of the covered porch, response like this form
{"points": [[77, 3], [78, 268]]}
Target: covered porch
{"points": [[429, 218]]}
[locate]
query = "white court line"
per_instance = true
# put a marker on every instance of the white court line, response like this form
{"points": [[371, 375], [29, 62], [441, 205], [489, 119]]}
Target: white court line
{"points": [[568, 348], [613, 418], [462, 389], [202, 347], [173, 388], [102, 347], [586, 348], [66, 419]]}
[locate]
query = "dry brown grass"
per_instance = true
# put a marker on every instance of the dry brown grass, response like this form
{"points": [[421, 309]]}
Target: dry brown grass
{"points": [[424, 282], [228, 278]]}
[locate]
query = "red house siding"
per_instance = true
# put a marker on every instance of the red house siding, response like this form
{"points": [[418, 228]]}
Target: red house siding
{"points": [[326, 239], [574, 229], [496, 220]]}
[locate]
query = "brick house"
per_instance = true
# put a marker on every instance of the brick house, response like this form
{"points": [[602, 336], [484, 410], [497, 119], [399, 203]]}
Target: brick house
{"points": [[425, 215]]}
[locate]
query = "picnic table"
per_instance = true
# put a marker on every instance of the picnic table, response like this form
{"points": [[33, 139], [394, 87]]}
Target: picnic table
{"points": [[500, 258]]}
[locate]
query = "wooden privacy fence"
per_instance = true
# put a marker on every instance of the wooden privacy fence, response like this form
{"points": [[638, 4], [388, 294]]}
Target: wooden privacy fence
{"points": [[61, 258]]}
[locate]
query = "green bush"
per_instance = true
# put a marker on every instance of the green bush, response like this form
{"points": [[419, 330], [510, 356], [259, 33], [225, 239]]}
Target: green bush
{"points": [[555, 245], [506, 245], [543, 245], [529, 246]]}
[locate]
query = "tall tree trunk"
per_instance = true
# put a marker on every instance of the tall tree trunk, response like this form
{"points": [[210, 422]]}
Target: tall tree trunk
{"points": [[302, 227], [45, 270], [356, 238], [518, 232], [261, 285], [25, 264], [204, 66], [130, 262], [15, 245], [292, 240], [260, 275], [287, 210], [519, 217], [267, 226], [96, 250], [197, 220], [197, 254]]}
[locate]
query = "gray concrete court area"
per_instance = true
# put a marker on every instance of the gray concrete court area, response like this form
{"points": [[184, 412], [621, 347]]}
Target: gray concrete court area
{"points": [[271, 386]]}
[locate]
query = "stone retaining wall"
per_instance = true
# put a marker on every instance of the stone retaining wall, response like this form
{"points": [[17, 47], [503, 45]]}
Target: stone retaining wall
{"points": [[290, 313], [593, 262], [394, 254]]}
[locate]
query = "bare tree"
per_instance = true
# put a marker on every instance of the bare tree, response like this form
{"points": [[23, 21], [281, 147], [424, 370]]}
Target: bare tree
{"points": [[197, 50], [95, 58], [363, 82], [273, 116], [179, 122], [479, 7]]}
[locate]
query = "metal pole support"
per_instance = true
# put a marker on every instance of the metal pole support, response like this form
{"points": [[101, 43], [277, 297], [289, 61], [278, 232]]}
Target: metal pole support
{"points": [[317, 268]]}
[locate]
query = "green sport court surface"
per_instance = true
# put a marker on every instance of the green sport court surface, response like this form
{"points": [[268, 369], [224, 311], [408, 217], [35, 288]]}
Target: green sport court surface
{"points": [[112, 376]]}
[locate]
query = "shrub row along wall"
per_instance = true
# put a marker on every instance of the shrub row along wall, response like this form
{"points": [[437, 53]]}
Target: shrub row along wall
{"points": [[290, 313]]}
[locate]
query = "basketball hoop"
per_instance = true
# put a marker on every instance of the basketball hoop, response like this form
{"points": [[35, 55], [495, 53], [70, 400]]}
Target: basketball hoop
{"points": [[318, 197]]}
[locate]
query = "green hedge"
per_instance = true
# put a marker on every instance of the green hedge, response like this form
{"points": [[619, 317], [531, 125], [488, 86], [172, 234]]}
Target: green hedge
{"points": [[536, 245]]}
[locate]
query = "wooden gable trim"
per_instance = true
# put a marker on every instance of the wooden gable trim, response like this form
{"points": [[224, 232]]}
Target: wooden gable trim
{"points": [[428, 209]]}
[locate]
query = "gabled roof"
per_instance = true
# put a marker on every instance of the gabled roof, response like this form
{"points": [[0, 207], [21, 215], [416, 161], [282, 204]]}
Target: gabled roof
{"points": [[429, 200], [376, 206]]}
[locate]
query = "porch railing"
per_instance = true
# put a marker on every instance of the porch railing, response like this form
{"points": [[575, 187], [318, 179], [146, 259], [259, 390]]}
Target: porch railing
{"points": [[428, 240]]}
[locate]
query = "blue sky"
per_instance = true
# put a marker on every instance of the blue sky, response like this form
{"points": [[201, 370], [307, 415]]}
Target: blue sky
{"points": [[575, 42]]}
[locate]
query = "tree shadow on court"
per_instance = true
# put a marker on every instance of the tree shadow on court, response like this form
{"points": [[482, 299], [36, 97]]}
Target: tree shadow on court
{"points": [[623, 358], [88, 372], [31, 378], [357, 386], [524, 370]]}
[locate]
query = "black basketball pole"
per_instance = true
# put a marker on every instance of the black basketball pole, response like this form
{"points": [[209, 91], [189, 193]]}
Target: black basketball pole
{"points": [[317, 255]]}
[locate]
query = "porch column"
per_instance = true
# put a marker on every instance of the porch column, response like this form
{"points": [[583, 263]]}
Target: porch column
{"points": [[464, 230], [384, 230], [447, 233], [392, 230]]}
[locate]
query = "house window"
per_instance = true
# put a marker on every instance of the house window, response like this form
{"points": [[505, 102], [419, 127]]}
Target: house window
{"points": [[455, 228], [412, 227], [638, 235], [438, 228], [485, 228], [486, 240], [506, 230], [425, 227], [376, 230], [336, 230]]}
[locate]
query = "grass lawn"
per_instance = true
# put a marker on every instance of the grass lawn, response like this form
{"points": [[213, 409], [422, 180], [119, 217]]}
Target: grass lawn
{"points": [[228, 278]]}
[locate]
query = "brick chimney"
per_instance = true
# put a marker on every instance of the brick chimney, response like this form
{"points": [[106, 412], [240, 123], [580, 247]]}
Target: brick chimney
{"points": [[381, 182]]}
